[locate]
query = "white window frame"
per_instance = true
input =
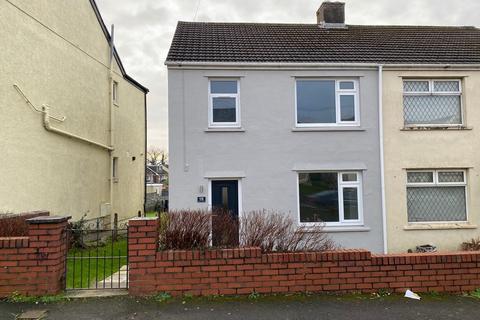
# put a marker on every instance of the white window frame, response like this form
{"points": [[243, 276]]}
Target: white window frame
{"points": [[211, 123], [437, 184], [431, 92], [340, 186], [338, 92]]}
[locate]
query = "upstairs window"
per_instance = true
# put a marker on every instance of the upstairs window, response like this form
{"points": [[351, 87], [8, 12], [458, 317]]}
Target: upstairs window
{"points": [[432, 102], [224, 104], [436, 196], [326, 102]]}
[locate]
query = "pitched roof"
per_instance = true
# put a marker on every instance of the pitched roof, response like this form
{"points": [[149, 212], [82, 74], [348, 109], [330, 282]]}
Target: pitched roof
{"points": [[115, 53], [309, 43]]}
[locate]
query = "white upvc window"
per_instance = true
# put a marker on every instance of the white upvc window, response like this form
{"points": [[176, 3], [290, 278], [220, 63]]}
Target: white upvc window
{"points": [[326, 102], [333, 198], [224, 103], [432, 102], [436, 196]]}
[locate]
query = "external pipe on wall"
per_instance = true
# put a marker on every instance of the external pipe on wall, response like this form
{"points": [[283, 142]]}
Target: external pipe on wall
{"points": [[45, 110], [112, 116], [48, 127], [382, 160]]}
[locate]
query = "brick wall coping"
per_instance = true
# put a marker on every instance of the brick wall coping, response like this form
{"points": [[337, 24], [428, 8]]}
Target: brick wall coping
{"points": [[142, 219], [20, 214], [48, 219]]}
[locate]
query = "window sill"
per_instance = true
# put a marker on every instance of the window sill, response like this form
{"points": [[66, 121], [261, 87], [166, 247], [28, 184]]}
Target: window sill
{"points": [[434, 128], [333, 229], [440, 226], [225, 129], [326, 129]]}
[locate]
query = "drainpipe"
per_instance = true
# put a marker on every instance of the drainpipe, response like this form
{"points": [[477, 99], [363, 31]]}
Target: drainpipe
{"points": [[112, 115], [48, 127], [382, 160]]}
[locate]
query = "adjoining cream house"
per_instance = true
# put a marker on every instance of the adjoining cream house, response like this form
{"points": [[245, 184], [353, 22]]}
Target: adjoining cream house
{"points": [[73, 122], [431, 121]]}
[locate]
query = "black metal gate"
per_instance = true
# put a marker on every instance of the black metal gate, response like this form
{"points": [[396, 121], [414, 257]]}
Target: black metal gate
{"points": [[97, 256]]}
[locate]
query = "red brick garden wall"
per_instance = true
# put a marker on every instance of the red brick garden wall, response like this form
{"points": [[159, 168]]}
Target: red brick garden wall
{"points": [[34, 265], [247, 270]]}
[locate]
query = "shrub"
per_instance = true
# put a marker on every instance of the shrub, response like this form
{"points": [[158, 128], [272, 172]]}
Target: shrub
{"points": [[271, 231], [472, 245], [274, 231], [224, 229], [185, 230], [15, 225], [77, 230]]}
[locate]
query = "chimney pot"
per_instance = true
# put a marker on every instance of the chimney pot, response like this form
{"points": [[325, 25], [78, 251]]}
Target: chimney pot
{"points": [[331, 15]]}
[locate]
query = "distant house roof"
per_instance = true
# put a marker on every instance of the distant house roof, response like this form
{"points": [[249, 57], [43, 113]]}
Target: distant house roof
{"points": [[117, 57], [157, 169], [310, 43]]}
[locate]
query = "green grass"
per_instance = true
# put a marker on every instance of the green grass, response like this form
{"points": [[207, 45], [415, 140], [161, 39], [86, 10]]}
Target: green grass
{"points": [[151, 214], [81, 275], [475, 294], [19, 298]]}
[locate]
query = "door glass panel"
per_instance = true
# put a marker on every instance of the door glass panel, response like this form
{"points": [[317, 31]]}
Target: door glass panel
{"points": [[225, 197]]}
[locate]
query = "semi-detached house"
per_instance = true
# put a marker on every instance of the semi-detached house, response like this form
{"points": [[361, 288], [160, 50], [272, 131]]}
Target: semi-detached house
{"points": [[329, 123]]}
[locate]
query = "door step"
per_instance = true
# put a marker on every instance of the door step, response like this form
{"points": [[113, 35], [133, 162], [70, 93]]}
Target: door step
{"points": [[94, 293]]}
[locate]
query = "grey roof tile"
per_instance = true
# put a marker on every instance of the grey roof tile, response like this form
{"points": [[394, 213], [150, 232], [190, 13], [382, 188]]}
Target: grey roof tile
{"points": [[303, 43]]}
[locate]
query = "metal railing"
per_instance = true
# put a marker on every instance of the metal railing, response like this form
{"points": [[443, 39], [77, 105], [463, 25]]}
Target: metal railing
{"points": [[97, 258]]}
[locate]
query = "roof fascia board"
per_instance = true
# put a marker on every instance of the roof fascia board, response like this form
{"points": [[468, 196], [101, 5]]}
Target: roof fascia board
{"points": [[308, 65]]}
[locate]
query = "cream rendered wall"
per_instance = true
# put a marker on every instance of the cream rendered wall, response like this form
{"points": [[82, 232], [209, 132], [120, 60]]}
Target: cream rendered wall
{"points": [[429, 149], [57, 53]]}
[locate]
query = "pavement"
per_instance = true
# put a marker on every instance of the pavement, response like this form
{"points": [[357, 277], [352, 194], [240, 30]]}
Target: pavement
{"points": [[280, 307]]}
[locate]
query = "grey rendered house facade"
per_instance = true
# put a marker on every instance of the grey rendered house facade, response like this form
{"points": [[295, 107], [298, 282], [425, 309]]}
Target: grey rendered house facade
{"points": [[261, 120]]}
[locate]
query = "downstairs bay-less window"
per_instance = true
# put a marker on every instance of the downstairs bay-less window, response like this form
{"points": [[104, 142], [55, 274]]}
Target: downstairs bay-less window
{"points": [[432, 102], [224, 103], [436, 196], [331, 197], [324, 102]]}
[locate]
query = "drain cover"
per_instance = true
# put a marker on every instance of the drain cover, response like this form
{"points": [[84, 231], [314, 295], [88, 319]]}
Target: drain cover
{"points": [[33, 315]]}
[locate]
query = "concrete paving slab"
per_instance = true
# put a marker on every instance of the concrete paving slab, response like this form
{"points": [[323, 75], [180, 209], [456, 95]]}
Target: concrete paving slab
{"points": [[32, 315], [116, 280], [94, 293]]}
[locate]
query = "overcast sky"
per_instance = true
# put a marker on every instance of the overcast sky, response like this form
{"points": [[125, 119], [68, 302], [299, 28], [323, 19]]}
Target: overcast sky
{"points": [[144, 30]]}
